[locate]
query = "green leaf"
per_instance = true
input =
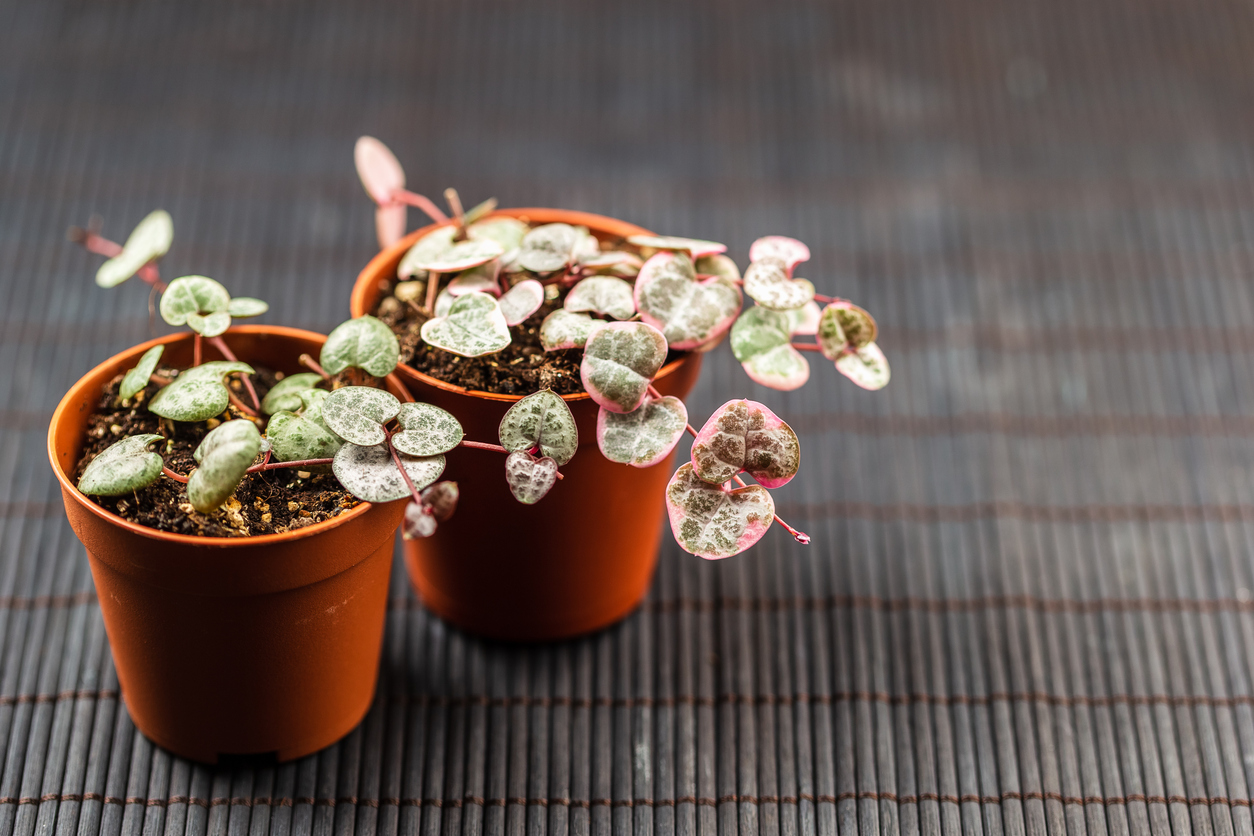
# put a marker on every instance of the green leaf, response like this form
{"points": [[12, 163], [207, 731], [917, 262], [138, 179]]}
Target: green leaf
{"points": [[428, 430], [192, 295], [745, 435], [529, 478], [542, 419], [370, 474], [285, 395], [644, 437], [212, 325], [867, 367], [474, 326], [548, 247], [224, 455], [507, 232], [150, 240], [843, 326], [602, 294], [358, 413], [619, 362], [190, 399], [123, 467], [137, 378], [215, 370], [760, 339], [296, 438], [563, 329], [768, 284], [364, 343], [245, 306], [713, 523], [437, 252], [688, 312]]}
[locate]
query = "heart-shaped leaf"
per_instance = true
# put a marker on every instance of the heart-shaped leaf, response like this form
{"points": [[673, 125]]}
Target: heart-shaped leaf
{"points": [[644, 437], [473, 327], [767, 283], [745, 435], [198, 393], [804, 320], [867, 367], [521, 301], [428, 430], [760, 339], [364, 343], [843, 327], [295, 438], [717, 265], [380, 172], [529, 478], [695, 247], [389, 224], [547, 248], [209, 325], [542, 419], [688, 312], [714, 523], [150, 240], [224, 455], [619, 362], [193, 295], [604, 295], [788, 250], [418, 523], [137, 378], [358, 413], [123, 467], [482, 279], [441, 499], [246, 306], [508, 232], [285, 395], [563, 329], [370, 473], [438, 252], [621, 264]]}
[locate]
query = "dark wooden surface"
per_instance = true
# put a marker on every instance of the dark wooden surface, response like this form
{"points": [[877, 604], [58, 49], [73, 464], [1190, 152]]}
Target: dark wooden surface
{"points": [[1028, 606]]}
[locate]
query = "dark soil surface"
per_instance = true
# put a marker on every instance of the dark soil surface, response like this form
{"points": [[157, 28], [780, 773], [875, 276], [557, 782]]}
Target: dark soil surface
{"points": [[264, 503]]}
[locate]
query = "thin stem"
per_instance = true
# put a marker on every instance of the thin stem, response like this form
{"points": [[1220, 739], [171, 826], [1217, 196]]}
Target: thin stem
{"points": [[98, 244], [303, 465], [800, 536], [422, 202], [396, 457], [240, 405], [220, 345], [152, 311], [806, 346], [455, 205], [195, 350], [825, 300], [433, 285], [160, 381], [312, 364], [176, 477], [495, 448]]}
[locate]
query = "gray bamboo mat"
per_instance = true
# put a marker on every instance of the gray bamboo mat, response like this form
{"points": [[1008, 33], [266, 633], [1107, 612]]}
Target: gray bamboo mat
{"points": [[1029, 603]]}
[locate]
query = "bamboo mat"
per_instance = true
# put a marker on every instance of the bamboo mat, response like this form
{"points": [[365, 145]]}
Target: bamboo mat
{"points": [[1028, 607]]}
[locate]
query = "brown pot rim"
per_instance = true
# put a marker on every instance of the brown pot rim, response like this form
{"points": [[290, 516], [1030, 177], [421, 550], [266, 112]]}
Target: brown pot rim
{"points": [[386, 260], [75, 395]]}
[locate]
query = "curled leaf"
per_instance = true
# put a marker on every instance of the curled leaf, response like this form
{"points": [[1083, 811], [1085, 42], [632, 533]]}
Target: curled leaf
{"points": [[867, 367], [246, 306], [542, 419], [602, 294], [619, 362], [548, 247], [714, 523], [438, 252], [507, 232], [482, 278], [285, 395], [428, 430], [190, 295], [768, 284], [364, 343], [788, 250], [150, 240], [473, 327], [358, 413], [804, 320], [695, 247], [371, 474], [295, 438], [418, 523], [529, 478], [686, 311], [521, 301], [224, 456], [209, 325], [380, 172], [760, 339], [123, 467], [137, 378], [843, 326], [745, 435], [644, 437], [563, 329]]}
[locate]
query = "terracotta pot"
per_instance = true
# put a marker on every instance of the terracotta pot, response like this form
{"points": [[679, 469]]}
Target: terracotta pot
{"points": [[266, 644], [578, 560]]}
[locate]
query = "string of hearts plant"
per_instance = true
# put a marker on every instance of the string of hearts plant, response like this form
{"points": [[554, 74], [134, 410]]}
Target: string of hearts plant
{"points": [[483, 273], [379, 449]]}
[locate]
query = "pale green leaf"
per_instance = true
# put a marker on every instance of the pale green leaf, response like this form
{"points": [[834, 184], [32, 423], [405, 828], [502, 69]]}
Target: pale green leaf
{"points": [[296, 438], [473, 327], [364, 343], [542, 419], [619, 362], [123, 467], [150, 240], [508, 232], [548, 247], [563, 329], [137, 378], [210, 325], [285, 395], [768, 284], [245, 306], [428, 430], [644, 437], [602, 294], [358, 413], [224, 455], [190, 295]]}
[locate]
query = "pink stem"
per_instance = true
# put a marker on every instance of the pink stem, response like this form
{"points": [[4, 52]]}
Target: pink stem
{"points": [[826, 300], [455, 204], [495, 448], [433, 284], [195, 350], [800, 536], [806, 346], [311, 364], [220, 345], [177, 478], [240, 405], [396, 457], [422, 202]]}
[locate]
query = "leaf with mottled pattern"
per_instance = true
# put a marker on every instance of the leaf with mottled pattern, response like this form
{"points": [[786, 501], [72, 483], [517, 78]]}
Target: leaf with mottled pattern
{"points": [[644, 437], [473, 327], [150, 240], [788, 250], [358, 413], [745, 435], [542, 419], [224, 456], [521, 301], [604, 295], [695, 247], [370, 473], [364, 343], [529, 478], [768, 284], [285, 395], [563, 329], [620, 360], [123, 467], [760, 339], [714, 523], [428, 430], [688, 312], [137, 378]]}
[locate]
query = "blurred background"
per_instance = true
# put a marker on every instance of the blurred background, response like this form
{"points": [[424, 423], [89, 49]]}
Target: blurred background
{"points": [[1028, 603]]}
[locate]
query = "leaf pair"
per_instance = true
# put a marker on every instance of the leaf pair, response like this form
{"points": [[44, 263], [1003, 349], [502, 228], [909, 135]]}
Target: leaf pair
{"points": [[198, 393], [205, 306], [437, 505], [761, 339], [539, 423], [687, 311], [846, 334], [149, 241], [551, 247]]}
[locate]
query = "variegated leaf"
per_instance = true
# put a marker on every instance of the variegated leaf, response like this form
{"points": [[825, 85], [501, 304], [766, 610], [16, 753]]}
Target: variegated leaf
{"points": [[745, 435], [788, 250], [614, 263], [285, 395], [686, 311], [209, 325], [507, 232], [521, 301], [867, 367], [482, 279], [604, 295], [804, 321], [150, 240], [843, 325], [137, 378], [418, 523], [246, 306], [717, 265], [428, 430], [563, 329], [548, 247], [542, 419], [370, 473], [224, 455], [358, 413], [123, 467], [620, 360], [714, 523], [473, 327], [529, 478], [695, 247], [438, 252], [768, 284], [198, 393], [189, 295], [760, 339], [644, 437], [364, 343], [295, 438]]}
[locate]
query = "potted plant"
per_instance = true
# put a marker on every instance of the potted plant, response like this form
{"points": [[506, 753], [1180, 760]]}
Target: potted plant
{"points": [[239, 501], [515, 311]]}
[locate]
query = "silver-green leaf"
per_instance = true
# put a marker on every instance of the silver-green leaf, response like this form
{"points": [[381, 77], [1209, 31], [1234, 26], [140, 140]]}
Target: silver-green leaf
{"points": [[437, 252], [193, 295], [428, 430], [507, 232], [370, 473], [542, 419], [358, 413], [644, 437], [619, 362], [602, 294], [198, 393], [547, 248], [767, 283], [123, 467], [473, 327], [563, 329], [529, 478], [295, 438], [364, 343], [224, 455], [714, 523], [137, 378], [285, 395], [150, 240]]}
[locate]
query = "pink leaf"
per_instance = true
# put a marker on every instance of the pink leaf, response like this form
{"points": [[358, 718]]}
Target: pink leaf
{"points": [[788, 250], [378, 168], [521, 301], [389, 223], [713, 522], [745, 435], [529, 478]]}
